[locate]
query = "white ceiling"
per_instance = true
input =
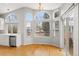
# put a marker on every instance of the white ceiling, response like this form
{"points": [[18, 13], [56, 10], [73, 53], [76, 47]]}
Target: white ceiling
{"points": [[12, 6]]}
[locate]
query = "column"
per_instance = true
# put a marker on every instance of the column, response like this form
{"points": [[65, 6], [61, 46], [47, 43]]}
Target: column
{"points": [[61, 26]]}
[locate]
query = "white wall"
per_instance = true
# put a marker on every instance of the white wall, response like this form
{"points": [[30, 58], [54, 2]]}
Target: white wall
{"points": [[76, 30]]}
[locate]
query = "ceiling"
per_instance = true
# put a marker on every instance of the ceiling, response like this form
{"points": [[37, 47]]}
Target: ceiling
{"points": [[7, 7]]}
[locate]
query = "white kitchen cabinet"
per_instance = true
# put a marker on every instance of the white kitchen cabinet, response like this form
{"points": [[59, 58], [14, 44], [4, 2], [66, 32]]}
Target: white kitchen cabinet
{"points": [[4, 40]]}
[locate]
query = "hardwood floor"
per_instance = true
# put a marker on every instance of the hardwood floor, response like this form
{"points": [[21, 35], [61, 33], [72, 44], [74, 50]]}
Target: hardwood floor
{"points": [[31, 50]]}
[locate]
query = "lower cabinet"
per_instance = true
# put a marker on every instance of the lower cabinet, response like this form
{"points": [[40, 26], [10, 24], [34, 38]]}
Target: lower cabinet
{"points": [[12, 41], [4, 40]]}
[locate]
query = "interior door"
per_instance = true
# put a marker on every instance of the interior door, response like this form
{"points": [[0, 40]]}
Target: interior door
{"points": [[68, 37]]}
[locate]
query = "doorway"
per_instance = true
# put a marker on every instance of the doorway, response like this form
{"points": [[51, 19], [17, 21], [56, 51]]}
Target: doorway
{"points": [[68, 36]]}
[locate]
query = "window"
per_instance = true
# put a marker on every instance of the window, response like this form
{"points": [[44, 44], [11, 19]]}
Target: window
{"points": [[42, 29], [12, 28], [56, 29], [28, 23], [57, 14], [9, 28], [41, 16], [11, 18], [42, 26], [29, 17], [56, 25]]}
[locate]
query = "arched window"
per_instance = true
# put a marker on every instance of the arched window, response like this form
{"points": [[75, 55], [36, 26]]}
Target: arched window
{"points": [[41, 16], [11, 18], [42, 25], [29, 17], [28, 20]]}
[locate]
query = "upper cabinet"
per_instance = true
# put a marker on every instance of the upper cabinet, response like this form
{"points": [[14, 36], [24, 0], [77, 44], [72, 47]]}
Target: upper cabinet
{"points": [[11, 23]]}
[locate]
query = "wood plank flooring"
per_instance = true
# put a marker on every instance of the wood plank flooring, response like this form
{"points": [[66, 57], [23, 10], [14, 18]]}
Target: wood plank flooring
{"points": [[31, 50]]}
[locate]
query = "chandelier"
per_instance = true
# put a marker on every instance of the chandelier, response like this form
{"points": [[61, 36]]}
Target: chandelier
{"points": [[40, 6]]}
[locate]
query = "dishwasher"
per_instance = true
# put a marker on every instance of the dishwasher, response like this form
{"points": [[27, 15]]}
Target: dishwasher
{"points": [[12, 41]]}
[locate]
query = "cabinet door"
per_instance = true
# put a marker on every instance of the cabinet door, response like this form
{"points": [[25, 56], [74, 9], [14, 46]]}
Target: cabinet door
{"points": [[4, 40], [12, 40], [9, 28], [14, 28]]}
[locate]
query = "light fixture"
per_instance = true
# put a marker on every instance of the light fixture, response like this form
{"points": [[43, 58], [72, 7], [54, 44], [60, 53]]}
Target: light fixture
{"points": [[40, 6]]}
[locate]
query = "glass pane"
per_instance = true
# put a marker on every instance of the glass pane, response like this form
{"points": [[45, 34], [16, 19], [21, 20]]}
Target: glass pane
{"points": [[56, 25], [41, 16], [57, 14], [14, 28], [9, 28], [42, 29], [56, 30], [28, 22], [29, 29], [28, 17], [11, 18]]}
